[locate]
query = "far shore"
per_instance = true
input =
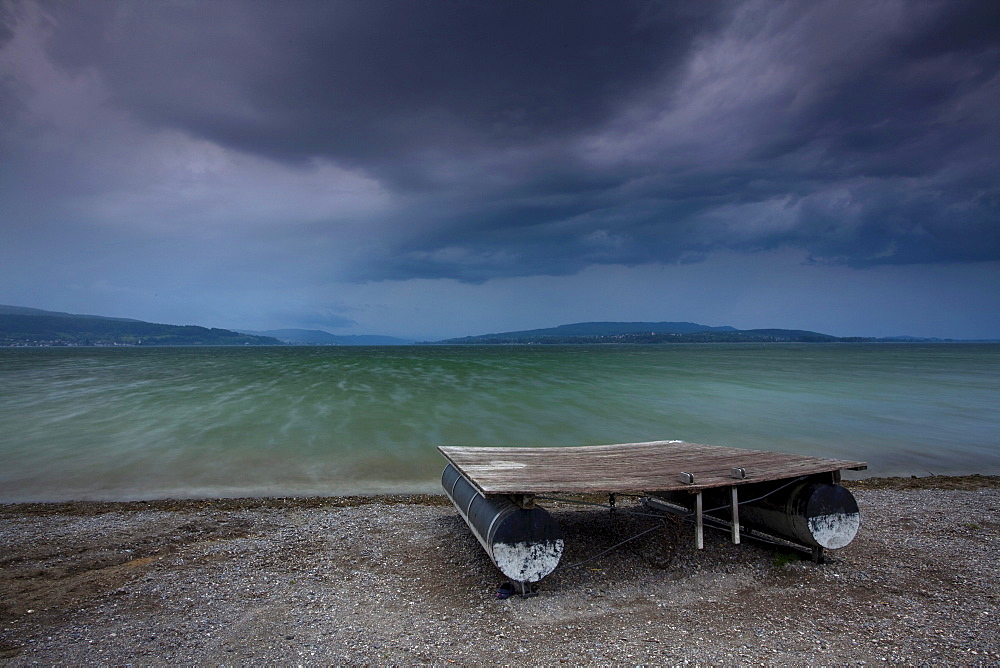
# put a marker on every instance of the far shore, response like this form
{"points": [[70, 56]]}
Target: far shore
{"points": [[972, 481]]}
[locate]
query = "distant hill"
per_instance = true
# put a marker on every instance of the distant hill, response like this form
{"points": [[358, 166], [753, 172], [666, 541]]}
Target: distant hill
{"points": [[24, 310], [648, 332], [318, 337], [591, 330], [21, 326]]}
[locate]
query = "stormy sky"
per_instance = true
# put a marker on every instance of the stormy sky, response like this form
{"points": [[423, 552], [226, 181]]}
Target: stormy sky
{"points": [[435, 168]]}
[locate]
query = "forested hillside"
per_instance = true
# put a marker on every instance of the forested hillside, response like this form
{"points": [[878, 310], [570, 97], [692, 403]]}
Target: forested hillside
{"points": [[71, 330]]}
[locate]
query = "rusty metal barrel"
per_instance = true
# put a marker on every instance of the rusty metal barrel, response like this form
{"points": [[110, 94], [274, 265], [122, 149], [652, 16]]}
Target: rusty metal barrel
{"points": [[526, 544], [814, 514]]}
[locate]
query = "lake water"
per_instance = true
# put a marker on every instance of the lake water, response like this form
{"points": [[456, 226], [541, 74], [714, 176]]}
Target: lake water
{"points": [[144, 423]]}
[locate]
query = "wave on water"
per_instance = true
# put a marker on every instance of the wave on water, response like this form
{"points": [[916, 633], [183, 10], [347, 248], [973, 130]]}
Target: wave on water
{"points": [[138, 423]]}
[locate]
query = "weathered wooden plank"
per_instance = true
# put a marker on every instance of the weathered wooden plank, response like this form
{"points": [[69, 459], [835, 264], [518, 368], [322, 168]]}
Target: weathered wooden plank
{"points": [[627, 467]]}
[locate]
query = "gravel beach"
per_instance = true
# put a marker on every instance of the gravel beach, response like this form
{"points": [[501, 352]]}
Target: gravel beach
{"points": [[402, 581]]}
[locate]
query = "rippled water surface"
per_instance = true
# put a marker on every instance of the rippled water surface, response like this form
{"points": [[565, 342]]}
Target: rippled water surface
{"points": [[93, 423]]}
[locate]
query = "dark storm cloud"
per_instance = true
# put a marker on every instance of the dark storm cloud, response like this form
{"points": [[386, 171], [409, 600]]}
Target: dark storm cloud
{"points": [[894, 113], [540, 138], [372, 81]]}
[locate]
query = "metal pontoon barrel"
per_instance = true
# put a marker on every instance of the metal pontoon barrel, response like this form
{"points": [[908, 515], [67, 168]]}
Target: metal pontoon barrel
{"points": [[815, 514], [525, 544]]}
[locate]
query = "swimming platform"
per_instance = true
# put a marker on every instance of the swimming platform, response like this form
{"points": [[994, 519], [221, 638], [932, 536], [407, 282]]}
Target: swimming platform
{"points": [[786, 498]]}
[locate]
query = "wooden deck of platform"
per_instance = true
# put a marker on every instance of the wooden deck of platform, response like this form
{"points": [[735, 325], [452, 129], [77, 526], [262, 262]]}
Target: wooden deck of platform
{"points": [[627, 468]]}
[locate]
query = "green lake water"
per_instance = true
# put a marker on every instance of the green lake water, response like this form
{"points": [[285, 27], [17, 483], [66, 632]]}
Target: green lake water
{"points": [[143, 423]]}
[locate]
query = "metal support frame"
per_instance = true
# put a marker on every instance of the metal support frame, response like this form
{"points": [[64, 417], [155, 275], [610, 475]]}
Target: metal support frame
{"points": [[523, 501], [699, 524], [735, 533], [526, 589], [696, 512], [664, 505], [699, 527]]}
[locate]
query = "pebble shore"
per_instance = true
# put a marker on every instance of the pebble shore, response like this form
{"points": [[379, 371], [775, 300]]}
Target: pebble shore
{"points": [[402, 581]]}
